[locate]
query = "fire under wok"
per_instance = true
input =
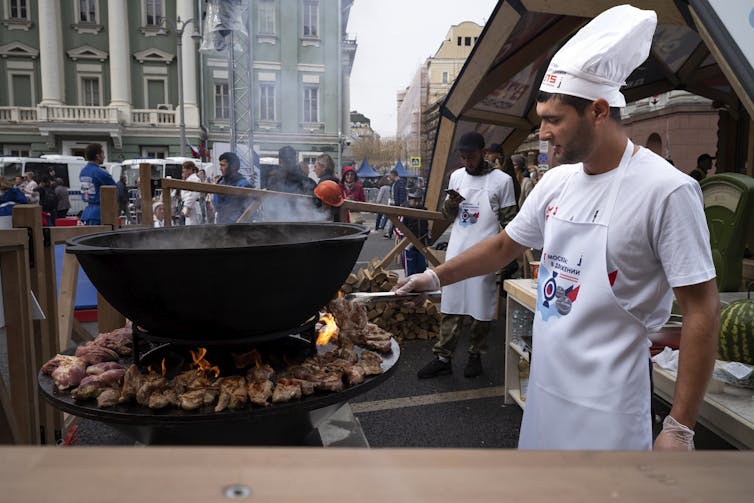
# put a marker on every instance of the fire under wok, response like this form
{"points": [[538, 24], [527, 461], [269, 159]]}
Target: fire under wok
{"points": [[220, 281]]}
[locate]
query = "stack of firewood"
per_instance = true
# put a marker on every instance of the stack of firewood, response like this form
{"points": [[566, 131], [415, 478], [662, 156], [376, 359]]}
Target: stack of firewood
{"points": [[417, 322]]}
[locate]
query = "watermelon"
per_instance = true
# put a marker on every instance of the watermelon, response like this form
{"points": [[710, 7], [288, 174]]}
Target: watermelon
{"points": [[736, 342]]}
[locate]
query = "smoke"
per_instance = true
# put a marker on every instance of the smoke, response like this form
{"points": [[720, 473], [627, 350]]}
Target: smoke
{"points": [[278, 209]]}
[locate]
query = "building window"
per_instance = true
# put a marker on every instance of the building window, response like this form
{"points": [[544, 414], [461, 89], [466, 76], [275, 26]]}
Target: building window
{"points": [[311, 104], [444, 77], [266, 16], [90, 92], [311, 18], [154, 152], [267, 102], [21, 90], [154, 12], [156, 93], [88, 11], [222, 101], [467, 41], [19, 9], [460, 40], [17, 150]]}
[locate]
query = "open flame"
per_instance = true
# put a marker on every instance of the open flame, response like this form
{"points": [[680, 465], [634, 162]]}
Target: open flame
{"points": [[340, 294], [329, 329], [162, 366], [203, 365]]}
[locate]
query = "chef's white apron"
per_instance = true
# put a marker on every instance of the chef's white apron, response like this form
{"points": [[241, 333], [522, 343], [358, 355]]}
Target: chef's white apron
{"points": [[589, 384], [475, 222]]}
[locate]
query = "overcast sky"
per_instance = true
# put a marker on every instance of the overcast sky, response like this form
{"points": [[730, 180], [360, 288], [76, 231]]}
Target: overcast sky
{"points": [[394, 37]]}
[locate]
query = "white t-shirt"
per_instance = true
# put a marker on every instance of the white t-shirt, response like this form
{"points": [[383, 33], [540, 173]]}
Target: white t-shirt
{"points": [[657, 235], [499, 186]]}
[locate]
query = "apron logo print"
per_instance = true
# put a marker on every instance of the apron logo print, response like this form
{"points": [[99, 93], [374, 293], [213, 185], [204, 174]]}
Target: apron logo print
{"points": [[563, 297], [469, 215]]}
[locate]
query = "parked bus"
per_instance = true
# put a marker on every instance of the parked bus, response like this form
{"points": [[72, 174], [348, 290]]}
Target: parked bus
{"points": [[66, 167]]}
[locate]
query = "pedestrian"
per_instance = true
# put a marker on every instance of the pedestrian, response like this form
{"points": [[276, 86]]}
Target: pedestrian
{"points": [[227, 207], [191, 211], [383, 197], [621, 231], [481, 200], [64, 202], [92, 177], [398, 196]]}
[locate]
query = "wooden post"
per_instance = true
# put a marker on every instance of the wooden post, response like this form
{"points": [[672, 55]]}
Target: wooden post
{"points": [[45, 331], [108, 318], [22, 369], [145, 189]]}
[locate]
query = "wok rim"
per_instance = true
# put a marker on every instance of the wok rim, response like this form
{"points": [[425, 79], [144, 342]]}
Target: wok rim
{"points": [[74, 246]]}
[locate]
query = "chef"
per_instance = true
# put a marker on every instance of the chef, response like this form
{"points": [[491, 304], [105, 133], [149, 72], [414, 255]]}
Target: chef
{"points": [[621, 232]]}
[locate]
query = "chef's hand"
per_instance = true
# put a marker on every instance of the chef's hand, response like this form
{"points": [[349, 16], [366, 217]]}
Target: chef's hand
{"points": [[674, 436], [454, 200], [426, 281]]}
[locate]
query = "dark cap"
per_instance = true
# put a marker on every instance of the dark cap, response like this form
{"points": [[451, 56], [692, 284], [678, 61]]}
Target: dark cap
{"points": [[704, 157], [471, 141], [496, 148]]}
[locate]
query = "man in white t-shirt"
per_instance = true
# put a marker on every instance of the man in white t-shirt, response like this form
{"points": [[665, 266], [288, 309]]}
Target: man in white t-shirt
{"points": [[621, 231]]}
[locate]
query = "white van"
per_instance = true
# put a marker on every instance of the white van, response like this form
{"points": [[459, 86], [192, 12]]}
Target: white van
{"points": [[66, 167]]}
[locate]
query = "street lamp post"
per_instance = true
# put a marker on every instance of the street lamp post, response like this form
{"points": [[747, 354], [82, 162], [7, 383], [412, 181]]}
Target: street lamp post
{"points": [[179, 27]]}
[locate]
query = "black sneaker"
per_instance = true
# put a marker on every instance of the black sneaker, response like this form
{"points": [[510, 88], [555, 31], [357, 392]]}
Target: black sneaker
{"points": [[473, 366], [435, 368]]}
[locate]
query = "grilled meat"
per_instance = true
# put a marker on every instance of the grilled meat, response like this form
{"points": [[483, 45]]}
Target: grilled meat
{"points": [[99, 368], [261, 373], [66, 371], [232, 393], [260, 392], [371, 362], [108, 397], [285, 390], [132, 381], [93, 353]]}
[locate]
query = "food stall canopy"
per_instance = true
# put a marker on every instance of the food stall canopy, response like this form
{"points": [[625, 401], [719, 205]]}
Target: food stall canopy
{"points": [[697, 47], [402, 171], [366, 171]]}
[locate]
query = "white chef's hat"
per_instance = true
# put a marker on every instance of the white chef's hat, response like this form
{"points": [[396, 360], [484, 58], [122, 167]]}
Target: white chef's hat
{"points": [[596, 61]]}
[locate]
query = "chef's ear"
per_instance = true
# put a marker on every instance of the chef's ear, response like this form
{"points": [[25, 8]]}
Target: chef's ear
{"points": [[600, 110]]}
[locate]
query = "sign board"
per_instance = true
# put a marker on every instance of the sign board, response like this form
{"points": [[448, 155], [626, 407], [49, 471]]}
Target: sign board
{"points": [[542, 158], [415, 161]]}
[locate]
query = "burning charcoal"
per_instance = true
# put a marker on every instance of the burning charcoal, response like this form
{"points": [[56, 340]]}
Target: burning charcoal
{"points": [[99, 368], [108, 397], [232, 393], [286, 390], [260, 392]]}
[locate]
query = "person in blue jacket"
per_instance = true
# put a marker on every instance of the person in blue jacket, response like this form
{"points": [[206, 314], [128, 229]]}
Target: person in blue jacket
{"points": [[9, 197], [92, 177], [229, 208]]}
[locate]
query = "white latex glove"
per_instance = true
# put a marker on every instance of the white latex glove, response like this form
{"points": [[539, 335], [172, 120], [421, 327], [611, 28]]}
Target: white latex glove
{"points": [[426, 281], [674, 436]]}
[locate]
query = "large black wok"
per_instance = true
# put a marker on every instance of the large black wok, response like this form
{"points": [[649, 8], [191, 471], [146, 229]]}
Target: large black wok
{"points": [[220, 281]]}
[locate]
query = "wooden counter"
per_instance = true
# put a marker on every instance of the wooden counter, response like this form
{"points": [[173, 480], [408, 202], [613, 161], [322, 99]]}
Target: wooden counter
{"points": [[203, 474]]}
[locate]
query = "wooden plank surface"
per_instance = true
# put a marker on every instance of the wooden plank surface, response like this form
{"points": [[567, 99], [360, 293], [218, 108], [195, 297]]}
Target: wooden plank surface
{"points": [[194, 474], [524, 291]]}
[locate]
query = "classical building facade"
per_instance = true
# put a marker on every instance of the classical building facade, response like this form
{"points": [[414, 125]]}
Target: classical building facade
{"points": [[417, 104], [80, 71]]}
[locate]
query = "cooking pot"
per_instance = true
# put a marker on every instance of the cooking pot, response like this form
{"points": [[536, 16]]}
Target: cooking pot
{"points": [[220, 281]]}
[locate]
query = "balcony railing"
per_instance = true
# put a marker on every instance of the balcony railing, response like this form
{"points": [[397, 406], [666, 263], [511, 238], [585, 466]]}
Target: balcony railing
{"points": [[18, 114], [87, 115], [153, 117], [66, 113]]}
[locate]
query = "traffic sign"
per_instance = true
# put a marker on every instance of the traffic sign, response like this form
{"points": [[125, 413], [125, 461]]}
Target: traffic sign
{"points": [[415, 161], [542, 159]]}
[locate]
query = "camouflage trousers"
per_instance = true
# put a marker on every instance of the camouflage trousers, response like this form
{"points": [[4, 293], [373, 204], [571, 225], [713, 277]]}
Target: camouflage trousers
{"points": [[451, 327]]}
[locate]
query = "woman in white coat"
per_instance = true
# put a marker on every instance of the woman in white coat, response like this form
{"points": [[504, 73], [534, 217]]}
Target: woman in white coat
{"points": [[191, 211]]}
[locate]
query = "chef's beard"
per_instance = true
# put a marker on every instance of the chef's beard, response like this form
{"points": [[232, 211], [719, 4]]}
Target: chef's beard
{"points": [[580, 147]]}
